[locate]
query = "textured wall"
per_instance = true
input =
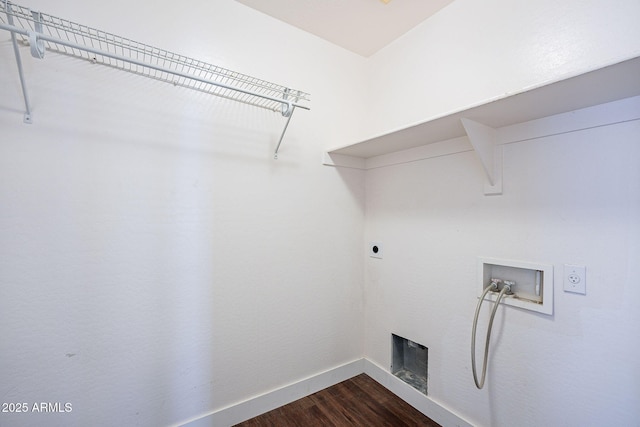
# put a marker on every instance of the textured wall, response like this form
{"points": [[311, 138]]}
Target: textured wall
{"points": [[156, 263], [471, 52], [575, 368], [571, 198]]}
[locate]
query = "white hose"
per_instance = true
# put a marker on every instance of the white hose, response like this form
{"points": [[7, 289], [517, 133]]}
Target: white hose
{"points": [[505, 289]]}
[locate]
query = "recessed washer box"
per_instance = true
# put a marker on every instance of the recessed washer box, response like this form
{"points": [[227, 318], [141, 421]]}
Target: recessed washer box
{"points": [[533, 288]]}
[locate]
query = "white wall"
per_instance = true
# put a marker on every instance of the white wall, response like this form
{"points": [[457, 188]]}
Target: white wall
{"points": [[572, 198], [471, 52], [156, 263]]}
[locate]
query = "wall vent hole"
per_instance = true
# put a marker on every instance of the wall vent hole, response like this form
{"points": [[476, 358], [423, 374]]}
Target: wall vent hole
{"points": [[409, 362]]}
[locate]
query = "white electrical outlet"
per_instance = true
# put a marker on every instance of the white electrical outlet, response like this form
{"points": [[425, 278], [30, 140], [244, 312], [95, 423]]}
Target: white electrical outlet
{"points": [[575, 279], [375, 250]]}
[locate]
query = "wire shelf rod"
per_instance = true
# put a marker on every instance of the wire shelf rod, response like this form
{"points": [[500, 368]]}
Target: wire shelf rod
{"points": [[151, 66], [45, 32], [74, 39]]}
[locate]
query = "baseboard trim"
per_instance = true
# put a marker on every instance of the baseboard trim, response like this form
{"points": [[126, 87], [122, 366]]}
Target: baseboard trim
{"points": [[274, 399], [432, 409]]}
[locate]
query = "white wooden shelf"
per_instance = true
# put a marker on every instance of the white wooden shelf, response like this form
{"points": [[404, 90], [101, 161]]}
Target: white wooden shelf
{"points": [[479, 123]]}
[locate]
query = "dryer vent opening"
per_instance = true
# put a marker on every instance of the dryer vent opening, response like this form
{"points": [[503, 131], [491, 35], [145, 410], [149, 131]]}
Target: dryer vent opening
{"points": [[409, 362]]}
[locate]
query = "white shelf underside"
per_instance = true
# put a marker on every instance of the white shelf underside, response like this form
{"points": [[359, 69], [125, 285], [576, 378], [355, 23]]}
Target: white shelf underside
{"points": [[611, 83]]}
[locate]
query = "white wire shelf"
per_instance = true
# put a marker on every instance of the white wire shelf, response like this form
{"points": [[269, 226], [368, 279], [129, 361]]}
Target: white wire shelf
{"points": [[42, 32]]}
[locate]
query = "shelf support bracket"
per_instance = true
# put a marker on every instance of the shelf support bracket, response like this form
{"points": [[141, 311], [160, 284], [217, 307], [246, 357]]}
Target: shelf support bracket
{"points": [[36, 45], [293, 107], [287, 111], [483, 140], [16, 51]]}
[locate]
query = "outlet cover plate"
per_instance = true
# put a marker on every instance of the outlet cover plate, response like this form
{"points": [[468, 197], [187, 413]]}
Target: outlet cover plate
{"points": [[575, 279]]}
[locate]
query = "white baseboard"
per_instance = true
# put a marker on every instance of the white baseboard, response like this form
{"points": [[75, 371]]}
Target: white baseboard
{"points": [[274, 399], [434, 410], [266, 402]]}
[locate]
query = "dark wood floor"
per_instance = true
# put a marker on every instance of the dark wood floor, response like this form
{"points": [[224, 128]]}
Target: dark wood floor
{"points": [[359, 401]]}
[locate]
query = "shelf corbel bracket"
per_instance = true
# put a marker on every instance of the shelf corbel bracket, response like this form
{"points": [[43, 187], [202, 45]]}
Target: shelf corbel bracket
{"points": [[483, 140]]}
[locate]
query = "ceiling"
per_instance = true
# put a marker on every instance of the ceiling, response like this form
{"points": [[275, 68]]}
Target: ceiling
{"points": [[361, 26]]}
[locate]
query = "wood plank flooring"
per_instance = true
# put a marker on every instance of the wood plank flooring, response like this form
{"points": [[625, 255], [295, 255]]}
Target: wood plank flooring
{"points": [[359, 401]]}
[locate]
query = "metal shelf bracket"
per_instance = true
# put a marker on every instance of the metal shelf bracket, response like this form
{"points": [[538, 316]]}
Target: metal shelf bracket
{"points": [[287, 111], [36, 45], [27, 106]]}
